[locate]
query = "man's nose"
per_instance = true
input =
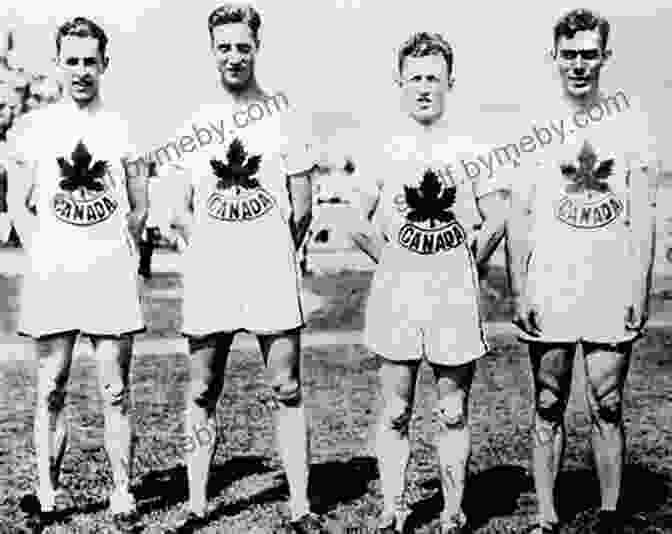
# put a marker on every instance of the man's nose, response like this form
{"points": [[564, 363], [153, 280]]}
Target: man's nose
{"points": [[579, 63]]}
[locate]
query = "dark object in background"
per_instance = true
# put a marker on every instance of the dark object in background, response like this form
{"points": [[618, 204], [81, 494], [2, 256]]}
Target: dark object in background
{"points": [[146, 251], [151, 236]]}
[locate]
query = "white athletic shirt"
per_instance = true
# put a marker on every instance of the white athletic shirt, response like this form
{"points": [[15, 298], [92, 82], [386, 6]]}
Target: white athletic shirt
{"points": [[240, 268], [580, 195], [427, 210], [82, 269], [79, 185]]}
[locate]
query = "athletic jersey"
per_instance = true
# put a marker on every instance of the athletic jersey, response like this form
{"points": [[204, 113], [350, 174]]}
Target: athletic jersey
{"points": [[82, 263], [427, 210], [241, 253], [582, 260], [79, 185]]}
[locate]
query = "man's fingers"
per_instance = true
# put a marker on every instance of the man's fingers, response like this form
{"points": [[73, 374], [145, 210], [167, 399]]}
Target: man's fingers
{"points": [[533, 321]]}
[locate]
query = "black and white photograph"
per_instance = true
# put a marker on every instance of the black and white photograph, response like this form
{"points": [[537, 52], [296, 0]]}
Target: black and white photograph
{"points": [[335, 267]]}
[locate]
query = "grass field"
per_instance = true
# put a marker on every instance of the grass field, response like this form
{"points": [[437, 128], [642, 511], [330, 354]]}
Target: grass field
{"points": [[248, 488]]}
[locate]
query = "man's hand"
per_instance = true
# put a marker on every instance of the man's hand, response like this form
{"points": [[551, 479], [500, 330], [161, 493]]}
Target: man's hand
{"points": [[136, 225], [370, 245], [636, 318], [526, 316]]}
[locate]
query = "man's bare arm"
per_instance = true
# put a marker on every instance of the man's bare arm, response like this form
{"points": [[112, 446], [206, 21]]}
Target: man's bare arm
{"points": [[493, 209], [300, 187], [642, 220], [21, 190], [183, 213], [366, 235], [138, 200]]}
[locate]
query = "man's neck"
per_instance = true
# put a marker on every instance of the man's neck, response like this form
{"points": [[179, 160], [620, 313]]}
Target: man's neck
{"points": [[89, 107], [247, 95], [431, 125], [584, 102]]}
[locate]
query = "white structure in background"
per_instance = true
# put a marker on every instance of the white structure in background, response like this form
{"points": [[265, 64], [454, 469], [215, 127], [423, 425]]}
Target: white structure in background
{"points": [[165, 191], [333, 210]]}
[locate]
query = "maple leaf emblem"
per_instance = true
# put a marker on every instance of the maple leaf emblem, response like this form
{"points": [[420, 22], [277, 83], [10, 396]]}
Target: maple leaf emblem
{"points": [[428, 202], [589, 176], [236, 172], [81, 174]]}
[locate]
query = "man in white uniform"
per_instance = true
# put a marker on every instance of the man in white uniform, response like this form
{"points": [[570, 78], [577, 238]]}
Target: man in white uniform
{"points": [[245, 213], [424, 300], [81, 217], [582, 236]]}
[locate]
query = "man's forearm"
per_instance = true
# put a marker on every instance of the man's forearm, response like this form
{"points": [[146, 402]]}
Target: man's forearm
{"points": [[300, 187], [517, 255], [137, 220], [488, 239], [371, 245], [299, 227], [643, 276]]}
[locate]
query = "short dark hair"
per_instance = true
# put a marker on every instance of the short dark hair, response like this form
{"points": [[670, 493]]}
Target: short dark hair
{"points": [[426, 44], [82, 27], [579, 20], [232, 13]]}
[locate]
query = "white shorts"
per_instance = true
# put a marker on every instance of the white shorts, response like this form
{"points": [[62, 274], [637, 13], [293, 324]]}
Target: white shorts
{"points": [[572, 309], [261, 296], [103, 300], [443, 326]]}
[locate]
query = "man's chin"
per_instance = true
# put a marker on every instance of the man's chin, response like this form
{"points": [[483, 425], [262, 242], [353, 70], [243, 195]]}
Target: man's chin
{"points": [[579, 91], [235, 84], [82, 98], [425, 116]]}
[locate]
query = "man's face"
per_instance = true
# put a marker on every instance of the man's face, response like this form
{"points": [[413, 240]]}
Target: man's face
{"points": [[580, 60], [235, 50], [82, 66], [424, 84]]}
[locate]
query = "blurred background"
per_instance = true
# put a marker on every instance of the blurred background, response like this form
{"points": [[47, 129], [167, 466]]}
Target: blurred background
{"points": [[335, 60]]}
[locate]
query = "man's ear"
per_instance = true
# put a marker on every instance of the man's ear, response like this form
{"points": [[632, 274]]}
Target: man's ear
{"points": [[106, 62], [451, 82], [550, 56], [606, 54]]}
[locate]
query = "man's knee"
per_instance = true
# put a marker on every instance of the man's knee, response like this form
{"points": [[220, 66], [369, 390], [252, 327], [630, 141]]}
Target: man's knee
{"points": [[116, 395], [550, 406], [55, 399], [204, 395], [451, 411], [397, 416], [287, 393], [609, 406]]}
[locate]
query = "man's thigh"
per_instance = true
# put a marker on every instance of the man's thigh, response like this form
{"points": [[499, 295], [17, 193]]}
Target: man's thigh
{"points": [[552, 365], [54, 358], [398, 379]]}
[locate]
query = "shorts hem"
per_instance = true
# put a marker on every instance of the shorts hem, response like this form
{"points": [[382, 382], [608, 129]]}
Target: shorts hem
{"points": [[434, 361], [52, 333], [253, 331], [526, 338]]}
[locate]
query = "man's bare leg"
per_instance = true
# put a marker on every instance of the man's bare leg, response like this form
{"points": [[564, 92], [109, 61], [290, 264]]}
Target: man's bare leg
{"points": [[552, 370], [454, 438], [606, 372], [282, 354], [114, 357], [392, 436], [54, 355], [207, 362]]}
